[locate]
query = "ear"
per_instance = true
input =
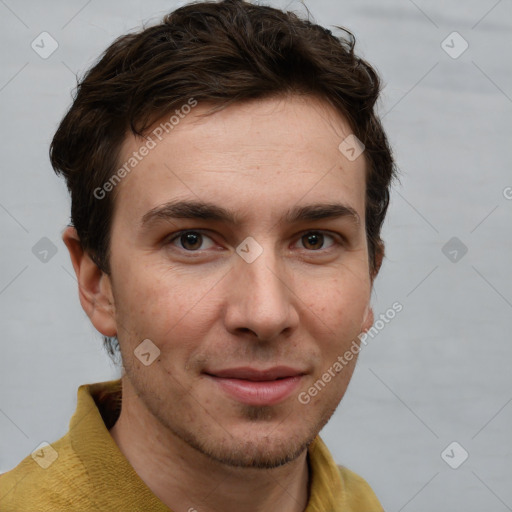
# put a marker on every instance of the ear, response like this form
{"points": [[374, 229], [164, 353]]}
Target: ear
{"points": [[94, 286], [379, 256], [368, 319]]}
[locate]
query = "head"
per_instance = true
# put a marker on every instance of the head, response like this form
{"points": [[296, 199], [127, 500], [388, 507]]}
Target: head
{"points": [[213, 134]]}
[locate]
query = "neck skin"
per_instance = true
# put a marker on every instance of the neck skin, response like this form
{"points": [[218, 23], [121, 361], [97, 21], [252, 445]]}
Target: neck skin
{"points": [[185, 479]]}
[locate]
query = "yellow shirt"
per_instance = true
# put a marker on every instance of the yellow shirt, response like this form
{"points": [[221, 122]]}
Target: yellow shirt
{"points": [[85, 470]]}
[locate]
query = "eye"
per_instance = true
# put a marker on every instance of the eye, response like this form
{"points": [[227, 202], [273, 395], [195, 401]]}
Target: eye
{"points": [[190, 240], [314, 240]]}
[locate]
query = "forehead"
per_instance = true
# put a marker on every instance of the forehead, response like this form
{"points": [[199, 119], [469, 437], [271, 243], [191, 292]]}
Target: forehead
{"points": [[255, 158]]}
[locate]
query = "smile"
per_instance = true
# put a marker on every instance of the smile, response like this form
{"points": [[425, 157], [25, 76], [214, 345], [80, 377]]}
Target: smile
{"points": [[255, 387]]}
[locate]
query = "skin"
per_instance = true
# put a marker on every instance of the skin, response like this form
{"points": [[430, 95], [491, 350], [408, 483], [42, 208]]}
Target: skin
{"points": [[205, 308]]}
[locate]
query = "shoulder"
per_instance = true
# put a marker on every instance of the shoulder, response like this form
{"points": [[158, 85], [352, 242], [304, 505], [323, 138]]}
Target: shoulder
{"points": [[359, 496], [37, 483]]}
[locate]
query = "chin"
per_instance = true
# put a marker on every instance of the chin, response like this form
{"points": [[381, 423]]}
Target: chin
{"points": [[252, 444], [264, 453]]}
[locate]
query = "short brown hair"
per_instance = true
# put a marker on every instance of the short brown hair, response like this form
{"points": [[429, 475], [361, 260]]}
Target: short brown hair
{"points": [[222, 53]]}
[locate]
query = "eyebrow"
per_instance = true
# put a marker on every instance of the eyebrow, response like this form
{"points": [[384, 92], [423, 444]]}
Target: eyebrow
{"points": [[209, 211]]}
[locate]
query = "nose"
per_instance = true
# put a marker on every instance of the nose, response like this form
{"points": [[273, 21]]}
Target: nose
{"points": [[260, 298]]}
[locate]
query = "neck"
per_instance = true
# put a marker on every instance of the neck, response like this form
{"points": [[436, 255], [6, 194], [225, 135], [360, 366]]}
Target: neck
{"points": [[185, 479]]}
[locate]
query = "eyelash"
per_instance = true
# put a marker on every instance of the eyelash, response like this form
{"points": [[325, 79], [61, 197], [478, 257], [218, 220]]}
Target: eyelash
{"points": [[338, 239]]}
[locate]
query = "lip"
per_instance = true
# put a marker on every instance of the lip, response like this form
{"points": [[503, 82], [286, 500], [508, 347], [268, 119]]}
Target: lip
{"points": [[258, 387]]}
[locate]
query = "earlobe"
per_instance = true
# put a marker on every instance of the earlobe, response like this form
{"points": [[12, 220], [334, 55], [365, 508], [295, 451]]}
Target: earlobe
{"points": [[368, 319], [94, 286], [379, 256]]}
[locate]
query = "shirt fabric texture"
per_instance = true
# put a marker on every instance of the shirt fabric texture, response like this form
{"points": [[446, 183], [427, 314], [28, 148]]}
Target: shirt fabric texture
{"points": [[85, 470]]}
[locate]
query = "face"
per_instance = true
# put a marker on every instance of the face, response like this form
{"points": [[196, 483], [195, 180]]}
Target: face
{"points": [[248, 302]]}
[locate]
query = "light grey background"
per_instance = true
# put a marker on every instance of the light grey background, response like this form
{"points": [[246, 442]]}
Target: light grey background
{"points": [[438, 372]]}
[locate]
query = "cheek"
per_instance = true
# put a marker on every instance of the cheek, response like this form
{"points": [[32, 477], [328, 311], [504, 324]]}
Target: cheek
{"points": [[341, 305], [163, 304]]}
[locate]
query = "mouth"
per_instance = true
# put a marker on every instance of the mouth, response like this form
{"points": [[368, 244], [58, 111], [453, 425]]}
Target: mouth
{"points": [[257, 387]]}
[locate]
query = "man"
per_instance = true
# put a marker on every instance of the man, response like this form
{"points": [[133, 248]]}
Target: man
{"points": [[229, 179]]}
